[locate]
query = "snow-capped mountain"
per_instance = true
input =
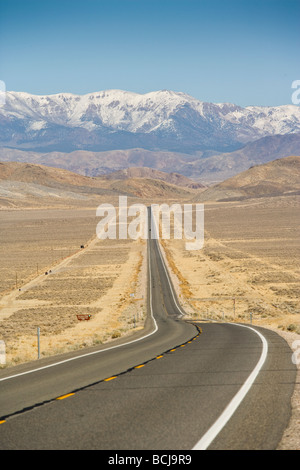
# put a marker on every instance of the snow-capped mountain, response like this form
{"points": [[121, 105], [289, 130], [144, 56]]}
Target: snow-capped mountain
{"points": [[116, 119]]}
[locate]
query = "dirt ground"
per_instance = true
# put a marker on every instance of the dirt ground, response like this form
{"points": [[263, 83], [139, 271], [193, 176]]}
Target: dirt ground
{"points": [[249, 264], [85, 275], [248, 271]]}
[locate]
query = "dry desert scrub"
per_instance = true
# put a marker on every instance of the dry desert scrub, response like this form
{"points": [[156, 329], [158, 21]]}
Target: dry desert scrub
{"points": [[248, 265], [97, 280]]}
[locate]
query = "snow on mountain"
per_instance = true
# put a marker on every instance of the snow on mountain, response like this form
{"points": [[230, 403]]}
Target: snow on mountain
{"points": [[112, 108], [119, 119]]}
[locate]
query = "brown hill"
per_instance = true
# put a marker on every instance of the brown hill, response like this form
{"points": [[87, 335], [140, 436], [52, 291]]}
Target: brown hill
{"points": [[150, 188], [217, 168], [34, 173], [24, 183], [90, 163], [145, 172], [279, 177], [209, 167]]}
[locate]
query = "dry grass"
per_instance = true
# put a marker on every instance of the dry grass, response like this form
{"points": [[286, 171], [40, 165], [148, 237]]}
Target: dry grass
{"points": [[248, 263], [97, 279]]}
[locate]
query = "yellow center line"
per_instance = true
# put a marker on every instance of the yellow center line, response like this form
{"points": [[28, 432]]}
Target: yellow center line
{"points": [[138, 367], [65, 396], [2, 421], [110, 378], [158, 357], [173, 350]]}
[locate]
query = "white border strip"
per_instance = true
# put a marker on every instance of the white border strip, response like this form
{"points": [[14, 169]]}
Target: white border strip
{"points": [[215, 429], [154, 224], [102, 350]]}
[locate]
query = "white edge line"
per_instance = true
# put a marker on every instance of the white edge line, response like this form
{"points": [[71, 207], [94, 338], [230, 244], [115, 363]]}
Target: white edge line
{"points": [[164, 266], [215, 429], [102, 350]]}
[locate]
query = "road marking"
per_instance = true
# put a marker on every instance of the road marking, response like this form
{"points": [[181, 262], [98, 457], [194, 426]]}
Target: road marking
{"points": [[65, 396], [215, 429], [3, 421], [138, 367], [112, 347], [158, 357], [154, 225], [102, 350]]}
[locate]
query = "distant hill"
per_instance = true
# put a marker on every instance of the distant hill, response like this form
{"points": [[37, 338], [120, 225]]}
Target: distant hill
{"points": [[279, 177], [90, 163], [224, 165], [48, 176], [24, 183], [144, 172], [150, 188], [204, 167]]}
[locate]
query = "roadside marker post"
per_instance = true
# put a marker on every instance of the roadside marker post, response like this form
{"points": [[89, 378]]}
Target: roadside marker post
{"points": [[38, 342], [2, 352]]}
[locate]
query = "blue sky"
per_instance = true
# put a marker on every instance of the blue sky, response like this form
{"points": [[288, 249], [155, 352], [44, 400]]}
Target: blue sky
{"points": [[245, 52]]}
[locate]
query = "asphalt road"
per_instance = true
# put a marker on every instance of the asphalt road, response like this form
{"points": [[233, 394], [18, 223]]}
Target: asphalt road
{"points": [[176, 385]]}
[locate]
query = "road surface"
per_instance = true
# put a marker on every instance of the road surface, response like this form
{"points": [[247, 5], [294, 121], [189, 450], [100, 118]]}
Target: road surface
{"points": [[176, 385]]}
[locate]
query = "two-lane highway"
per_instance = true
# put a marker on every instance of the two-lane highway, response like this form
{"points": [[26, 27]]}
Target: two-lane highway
{"points": [[173, 386]]}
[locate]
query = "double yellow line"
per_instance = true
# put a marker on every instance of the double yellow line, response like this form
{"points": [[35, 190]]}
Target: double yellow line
{"points": [[108, 379]]}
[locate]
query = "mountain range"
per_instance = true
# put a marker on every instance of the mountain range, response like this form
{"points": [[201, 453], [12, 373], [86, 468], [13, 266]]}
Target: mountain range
{"points": [[204, 169], [115, 119]]}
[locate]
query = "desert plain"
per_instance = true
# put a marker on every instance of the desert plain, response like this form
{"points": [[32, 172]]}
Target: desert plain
{"points": [[248, 271], [248, 268], [54, 268]]}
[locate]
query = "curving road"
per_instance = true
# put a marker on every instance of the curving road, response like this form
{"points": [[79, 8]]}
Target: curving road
{"points": [[176, 385]]}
